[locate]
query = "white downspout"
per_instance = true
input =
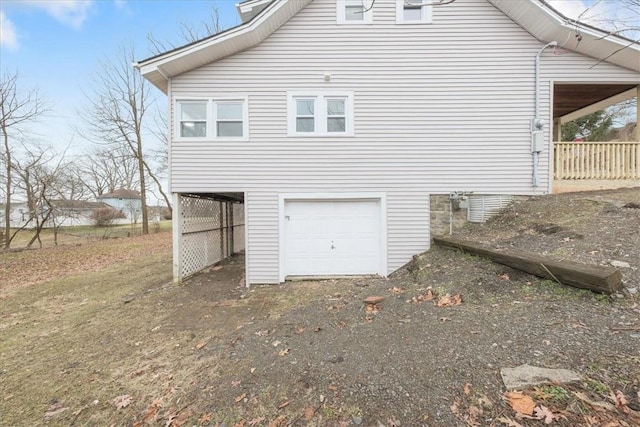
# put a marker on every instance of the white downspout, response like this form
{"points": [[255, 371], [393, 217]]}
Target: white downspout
{"points": [[537, 136]]}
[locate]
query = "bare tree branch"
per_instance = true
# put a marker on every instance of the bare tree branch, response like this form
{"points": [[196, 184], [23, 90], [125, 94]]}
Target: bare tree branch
{"points": [[16, 109]]}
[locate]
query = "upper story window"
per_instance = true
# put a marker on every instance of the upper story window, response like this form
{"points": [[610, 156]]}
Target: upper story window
{"points": [[412, 12], [229, 118], [193, 119], [217, 119], [321, 114], [354, 11]]}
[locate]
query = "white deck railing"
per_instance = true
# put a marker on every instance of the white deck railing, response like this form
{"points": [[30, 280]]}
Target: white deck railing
{"points": [[596, 160]]}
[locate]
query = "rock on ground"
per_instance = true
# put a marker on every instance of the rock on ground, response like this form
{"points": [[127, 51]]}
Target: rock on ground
{"points": [[526, 376]]}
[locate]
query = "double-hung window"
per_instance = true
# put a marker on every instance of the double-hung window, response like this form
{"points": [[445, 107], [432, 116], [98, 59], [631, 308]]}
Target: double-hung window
{"points": [[413, 12], [336, 114], [321, 114], [193, 119], [229, 118], [305, 115], [354, 11], [212, 119]]}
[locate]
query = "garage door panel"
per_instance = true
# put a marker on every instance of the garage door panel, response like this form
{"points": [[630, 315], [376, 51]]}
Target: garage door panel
{"points": [[332, 237]]}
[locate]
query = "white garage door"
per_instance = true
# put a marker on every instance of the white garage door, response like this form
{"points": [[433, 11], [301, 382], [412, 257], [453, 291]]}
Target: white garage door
{"points": [[332, 237]]}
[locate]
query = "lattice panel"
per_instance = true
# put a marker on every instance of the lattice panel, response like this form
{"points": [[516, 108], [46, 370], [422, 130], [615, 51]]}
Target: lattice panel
{"points": [[200, 250], [206, 229], [238, 227], [199, 214], [201, 234]]}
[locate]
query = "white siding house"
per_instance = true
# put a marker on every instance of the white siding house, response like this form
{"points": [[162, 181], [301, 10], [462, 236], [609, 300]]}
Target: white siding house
{"points": [[126, 201], [335, 127]]}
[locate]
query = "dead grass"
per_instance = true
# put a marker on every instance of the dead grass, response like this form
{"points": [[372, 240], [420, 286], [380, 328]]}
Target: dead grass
{"points": [[81, 338], [29, 267]]}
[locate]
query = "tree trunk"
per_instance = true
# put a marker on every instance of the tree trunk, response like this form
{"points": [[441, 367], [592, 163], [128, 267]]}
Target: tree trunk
{"points": [[143, 190], [164, 195], [7, 206]]}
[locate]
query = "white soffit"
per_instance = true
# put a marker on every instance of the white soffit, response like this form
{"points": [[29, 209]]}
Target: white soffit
{"points": [[159, 69], [250, 8], [547, 25]]}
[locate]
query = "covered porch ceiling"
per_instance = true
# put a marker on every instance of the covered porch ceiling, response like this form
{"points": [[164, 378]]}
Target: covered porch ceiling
{"points": [[572, 101]]}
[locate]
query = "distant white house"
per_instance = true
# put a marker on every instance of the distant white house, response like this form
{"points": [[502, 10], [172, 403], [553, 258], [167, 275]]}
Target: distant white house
{"points": [[127, 201], [66, 213]]}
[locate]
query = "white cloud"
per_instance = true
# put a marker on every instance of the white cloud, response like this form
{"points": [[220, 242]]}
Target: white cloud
{"points": [[120, 4], [68, 12], [8, 36]]}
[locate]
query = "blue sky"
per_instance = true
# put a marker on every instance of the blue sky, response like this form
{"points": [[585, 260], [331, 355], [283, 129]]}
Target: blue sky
{"points": [[56, 45]]}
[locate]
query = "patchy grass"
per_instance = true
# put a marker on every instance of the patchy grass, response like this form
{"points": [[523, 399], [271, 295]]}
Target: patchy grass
{"points": [[80, 339], [85, 233], [28, 267]]}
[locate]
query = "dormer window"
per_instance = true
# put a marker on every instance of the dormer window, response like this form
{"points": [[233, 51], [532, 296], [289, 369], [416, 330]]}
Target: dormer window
{"points": [[412, 12], [354, 11]]}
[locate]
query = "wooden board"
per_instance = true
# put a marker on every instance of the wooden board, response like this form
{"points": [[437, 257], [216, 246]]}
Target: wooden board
{"points": [[596, 278]]}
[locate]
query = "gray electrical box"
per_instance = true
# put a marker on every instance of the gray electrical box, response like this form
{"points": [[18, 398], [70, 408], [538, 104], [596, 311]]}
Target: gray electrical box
{"points": [[537, 141]]}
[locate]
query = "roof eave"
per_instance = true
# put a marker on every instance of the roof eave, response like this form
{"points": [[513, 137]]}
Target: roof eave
{"points": [[250, 8], [158, 70], [596, 43]]}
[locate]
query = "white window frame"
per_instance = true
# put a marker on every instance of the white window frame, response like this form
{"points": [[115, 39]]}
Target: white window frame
{"points": [[341, 6], [320, 116], [426, 12], [178, 116], [212, 128]]}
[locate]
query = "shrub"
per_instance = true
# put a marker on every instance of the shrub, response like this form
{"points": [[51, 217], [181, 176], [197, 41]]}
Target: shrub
{"points": [[166, 213], [103, 217]]}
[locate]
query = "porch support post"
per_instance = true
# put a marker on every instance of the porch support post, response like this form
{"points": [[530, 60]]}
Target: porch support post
{"points": [[557, 130], [638, 113], [176, 222]]}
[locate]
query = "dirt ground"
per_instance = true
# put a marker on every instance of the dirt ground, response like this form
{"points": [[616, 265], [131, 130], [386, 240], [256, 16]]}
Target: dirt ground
{"points": [[120, 345]]}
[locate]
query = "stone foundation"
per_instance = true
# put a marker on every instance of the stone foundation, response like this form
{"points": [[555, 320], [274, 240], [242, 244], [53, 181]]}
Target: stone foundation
{"points": [[440, 218]]}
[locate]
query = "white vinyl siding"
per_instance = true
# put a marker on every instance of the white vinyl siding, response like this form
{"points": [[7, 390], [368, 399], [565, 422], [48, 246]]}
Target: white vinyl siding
{"points": [[437, 108]]}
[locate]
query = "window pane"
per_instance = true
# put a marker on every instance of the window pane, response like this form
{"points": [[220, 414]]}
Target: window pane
{"points": [[193, 129], [230, 111], [305, 107], [412, 13], [233, 129], [194, 111], [353, 13], [305, 124], [336, 124], [335, 107]]}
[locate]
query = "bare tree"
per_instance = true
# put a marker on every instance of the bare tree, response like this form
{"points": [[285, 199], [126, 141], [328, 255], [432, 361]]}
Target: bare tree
{"points": [[106, 169], [16, 110], [189, 33], [117, 112]]}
